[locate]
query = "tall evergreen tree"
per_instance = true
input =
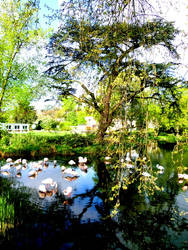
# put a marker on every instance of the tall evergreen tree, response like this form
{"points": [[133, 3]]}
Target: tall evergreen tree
{"points": [[108, 38]]}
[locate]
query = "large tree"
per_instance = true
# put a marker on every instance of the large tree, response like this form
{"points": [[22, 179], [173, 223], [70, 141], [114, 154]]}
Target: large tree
{"points": [[19, 109], [18, 29], [106, 40]]}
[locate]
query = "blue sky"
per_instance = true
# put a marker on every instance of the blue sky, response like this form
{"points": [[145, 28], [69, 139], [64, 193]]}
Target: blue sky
{"points": [[53, 4]]}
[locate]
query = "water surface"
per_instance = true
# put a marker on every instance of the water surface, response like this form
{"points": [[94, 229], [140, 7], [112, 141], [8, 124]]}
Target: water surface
{"points": [[82, 220]]}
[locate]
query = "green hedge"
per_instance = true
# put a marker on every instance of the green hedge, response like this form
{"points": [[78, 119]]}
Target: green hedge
{"points": [[37, 144]]}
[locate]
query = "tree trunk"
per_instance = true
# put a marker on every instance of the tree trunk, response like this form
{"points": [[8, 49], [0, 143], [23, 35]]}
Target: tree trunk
{"points": [[100, 134], [104, 122], [105, 116], [1, 97]]}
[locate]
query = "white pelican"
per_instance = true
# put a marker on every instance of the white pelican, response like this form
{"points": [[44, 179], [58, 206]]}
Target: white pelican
{"points": [[9, 160], [82, 160], [42, 188], [71, 162], [5, 173], [70, 171], [32, 174], [5, 167], [18, 161], [67, 191], [24, 162], [63, 168], [50, 184], [45, 159], [42, 191], [146, 174]]}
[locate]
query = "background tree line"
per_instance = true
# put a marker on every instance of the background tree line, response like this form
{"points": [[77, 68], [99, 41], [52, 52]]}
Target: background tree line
{"points": [[98, 57]]}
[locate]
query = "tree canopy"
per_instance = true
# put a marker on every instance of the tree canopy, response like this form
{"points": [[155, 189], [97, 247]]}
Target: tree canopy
{"points": [[114, 50], [18, 29]]}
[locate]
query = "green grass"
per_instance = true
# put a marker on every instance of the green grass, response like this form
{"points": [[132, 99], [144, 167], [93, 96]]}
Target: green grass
{"points": [[45, 143], [170, 138]]}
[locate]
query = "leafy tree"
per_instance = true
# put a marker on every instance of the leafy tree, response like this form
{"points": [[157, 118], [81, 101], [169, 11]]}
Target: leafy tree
{"points": [[19, 109], [72, 112], [183, 121], [109, 44], [18, 27], [173, 122]]}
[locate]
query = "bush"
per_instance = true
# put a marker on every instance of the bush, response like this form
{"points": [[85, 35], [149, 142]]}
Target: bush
{"points": [[4, 137], [65, 126], [49, 124]]}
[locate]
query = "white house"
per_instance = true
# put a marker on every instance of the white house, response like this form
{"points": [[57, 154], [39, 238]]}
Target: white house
{"points": [[15, 127]]}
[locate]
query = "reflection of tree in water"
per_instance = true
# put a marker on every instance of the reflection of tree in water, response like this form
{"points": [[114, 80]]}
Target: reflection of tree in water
{"points": [[142, 222], [55, 227], [150, 221], [145, 220], [149, 224]]}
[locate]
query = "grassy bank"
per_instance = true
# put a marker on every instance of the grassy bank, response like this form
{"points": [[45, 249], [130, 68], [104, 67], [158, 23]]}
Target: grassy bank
{"points": [[171, 139], [35, 144]]}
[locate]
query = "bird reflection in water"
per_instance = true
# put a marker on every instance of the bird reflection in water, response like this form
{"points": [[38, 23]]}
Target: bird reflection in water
{"points": [[71, 178]]}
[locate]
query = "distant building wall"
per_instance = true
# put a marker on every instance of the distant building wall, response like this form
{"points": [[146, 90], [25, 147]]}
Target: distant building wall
{"points": [[15, 127]]}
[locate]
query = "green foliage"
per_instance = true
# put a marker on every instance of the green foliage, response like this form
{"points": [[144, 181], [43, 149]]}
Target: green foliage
{"points": [[18, 28], [137, 113], [4, 137], [110, 51], [6, 211], [41, 144], [72, 114], [169, 118], [49, 124], [65, 126], [166, 138]]}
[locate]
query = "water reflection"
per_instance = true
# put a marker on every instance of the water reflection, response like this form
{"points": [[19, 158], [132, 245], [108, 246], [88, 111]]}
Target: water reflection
{"points": [[45, 216]]}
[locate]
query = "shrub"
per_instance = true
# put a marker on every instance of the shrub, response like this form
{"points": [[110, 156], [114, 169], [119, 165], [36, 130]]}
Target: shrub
{"points": [[65, 126], [4, 137], [49, 124]]}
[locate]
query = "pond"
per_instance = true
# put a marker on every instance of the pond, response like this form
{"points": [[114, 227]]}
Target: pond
{"points": [[60, 205]]}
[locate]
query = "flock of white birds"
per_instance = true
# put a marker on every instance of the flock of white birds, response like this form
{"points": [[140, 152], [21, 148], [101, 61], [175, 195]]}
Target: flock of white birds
{"points": [[129, 163], [48, 186]]}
